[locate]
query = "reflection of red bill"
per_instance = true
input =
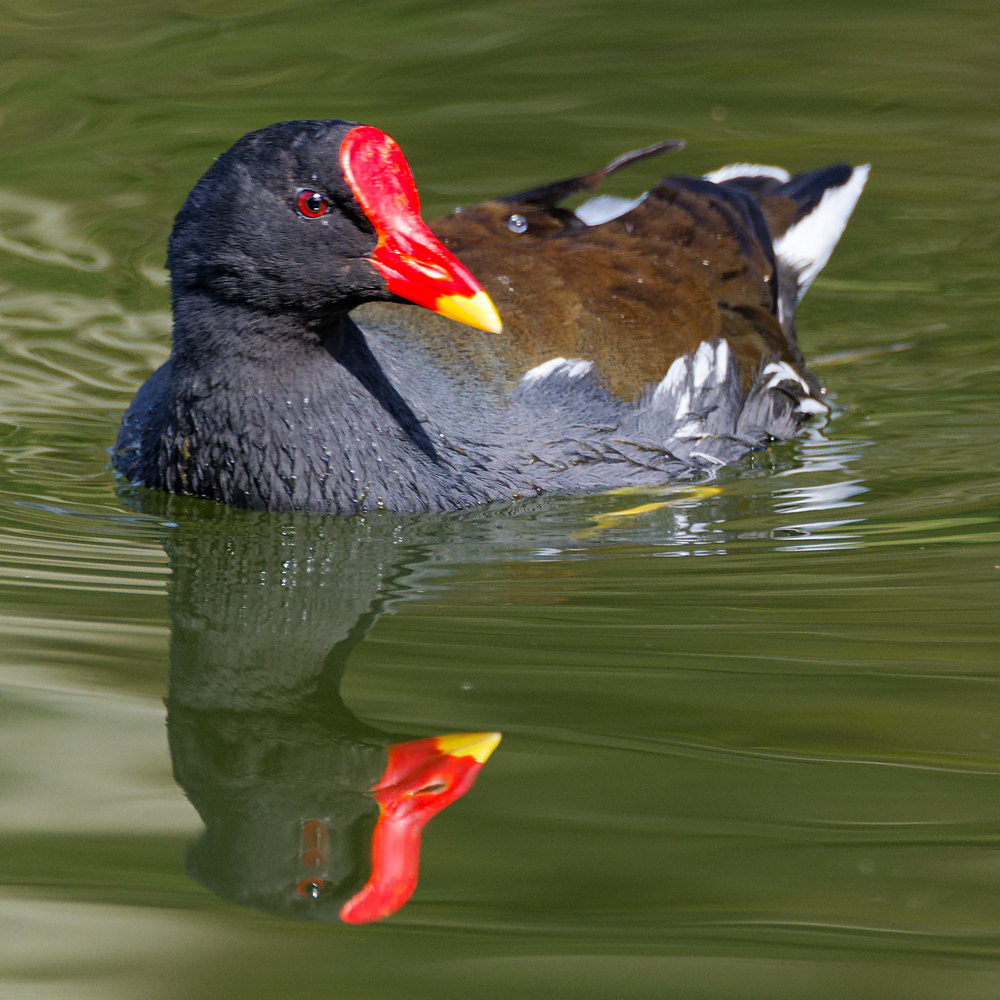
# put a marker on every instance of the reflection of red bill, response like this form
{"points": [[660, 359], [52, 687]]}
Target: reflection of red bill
{"points": [[421, 778]]}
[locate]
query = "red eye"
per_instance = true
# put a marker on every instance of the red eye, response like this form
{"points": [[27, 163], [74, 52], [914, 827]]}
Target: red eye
{"points": [[311, 204]]}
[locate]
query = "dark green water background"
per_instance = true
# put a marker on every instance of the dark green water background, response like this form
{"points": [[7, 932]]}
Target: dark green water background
{"points": [[751, 741]]}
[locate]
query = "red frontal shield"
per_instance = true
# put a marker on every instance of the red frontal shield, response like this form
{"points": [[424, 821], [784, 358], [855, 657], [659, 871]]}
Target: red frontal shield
{"points": [[409, 256]]}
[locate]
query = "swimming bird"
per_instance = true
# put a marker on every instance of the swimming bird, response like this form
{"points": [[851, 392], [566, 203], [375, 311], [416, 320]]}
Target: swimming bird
{"points": [[623, 343]]}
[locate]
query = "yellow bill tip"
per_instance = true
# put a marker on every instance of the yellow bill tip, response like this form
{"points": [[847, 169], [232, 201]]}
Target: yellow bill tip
{"points": [[472, 310], [478, 745]]}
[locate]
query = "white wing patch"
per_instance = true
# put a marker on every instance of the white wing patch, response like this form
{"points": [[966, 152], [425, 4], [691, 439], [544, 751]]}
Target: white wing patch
{"points": [[571, 368], [731, 170], [606, 207], [807, 245]]}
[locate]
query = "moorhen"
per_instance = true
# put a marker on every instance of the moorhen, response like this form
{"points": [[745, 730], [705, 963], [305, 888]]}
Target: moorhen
{"points": [[642, 340]]}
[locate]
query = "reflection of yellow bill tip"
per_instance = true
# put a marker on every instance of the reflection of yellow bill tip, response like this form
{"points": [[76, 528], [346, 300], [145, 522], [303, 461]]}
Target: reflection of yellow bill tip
{"points": [[478, 745], [472, 310]]}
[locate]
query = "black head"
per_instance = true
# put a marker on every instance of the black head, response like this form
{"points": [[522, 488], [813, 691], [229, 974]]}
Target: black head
{"points": [[275, 225], [316, 217]]}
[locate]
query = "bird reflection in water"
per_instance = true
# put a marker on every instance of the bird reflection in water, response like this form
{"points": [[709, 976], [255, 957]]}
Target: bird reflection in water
{"points": [[309, 812]]}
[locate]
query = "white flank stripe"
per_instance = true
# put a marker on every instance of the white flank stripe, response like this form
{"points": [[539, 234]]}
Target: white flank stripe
{"points": [[721, 361], [706, 368], [691, 429], [672, 381], [577, 368], [704, 363], [683, 405], [572, 368], [714, 459]]}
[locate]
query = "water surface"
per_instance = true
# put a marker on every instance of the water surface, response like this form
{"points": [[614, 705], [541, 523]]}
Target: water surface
{"points": [[751, 736]]}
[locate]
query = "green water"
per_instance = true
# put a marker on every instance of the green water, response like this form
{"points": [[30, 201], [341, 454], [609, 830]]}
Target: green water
{"points": [[751, 740]]}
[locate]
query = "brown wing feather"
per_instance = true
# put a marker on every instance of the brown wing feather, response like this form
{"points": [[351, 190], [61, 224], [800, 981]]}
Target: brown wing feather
{"points": [[631, 295]]}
